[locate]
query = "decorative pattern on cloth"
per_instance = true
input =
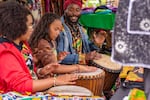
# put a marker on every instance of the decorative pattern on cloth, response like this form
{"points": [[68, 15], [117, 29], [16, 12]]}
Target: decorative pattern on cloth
{"points": [[29, 60], [131, 37], [55, 6], [76, 37], [77, 41], [35, 8]]}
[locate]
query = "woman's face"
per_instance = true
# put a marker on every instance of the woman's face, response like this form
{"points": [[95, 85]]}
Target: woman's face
{"points": [[73, 13], [29, 30], [54, 29]]}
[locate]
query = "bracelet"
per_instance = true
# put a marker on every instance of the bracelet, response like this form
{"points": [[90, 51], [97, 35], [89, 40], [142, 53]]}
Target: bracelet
{"points": [[54, 80]]}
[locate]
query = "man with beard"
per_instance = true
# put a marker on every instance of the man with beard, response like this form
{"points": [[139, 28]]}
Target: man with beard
{"points": [[73, 39]]}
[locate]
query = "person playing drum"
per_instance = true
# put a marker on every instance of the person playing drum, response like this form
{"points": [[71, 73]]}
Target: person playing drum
{"points": [[15, 70], [42, 43], [73, 39], [15, 74]]}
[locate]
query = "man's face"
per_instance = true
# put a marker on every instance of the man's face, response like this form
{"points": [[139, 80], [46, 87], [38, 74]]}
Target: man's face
{"points": [[73, 12]]}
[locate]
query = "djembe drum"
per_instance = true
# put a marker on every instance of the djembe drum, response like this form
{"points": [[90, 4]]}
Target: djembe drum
{"points": [[70, 90], [111, 69], [93, 81]]}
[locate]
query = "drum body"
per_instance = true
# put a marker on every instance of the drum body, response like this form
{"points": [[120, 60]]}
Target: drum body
{"points": [[112, 70], [69, 90], [93, 81]]}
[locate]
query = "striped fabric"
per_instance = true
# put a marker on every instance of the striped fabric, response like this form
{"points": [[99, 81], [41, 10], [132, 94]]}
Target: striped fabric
{"points": [[43, 6], [77, 41]]}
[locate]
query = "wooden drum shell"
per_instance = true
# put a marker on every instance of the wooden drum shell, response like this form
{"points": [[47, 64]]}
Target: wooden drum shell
{"points": [[92, 82], [111, 72]]}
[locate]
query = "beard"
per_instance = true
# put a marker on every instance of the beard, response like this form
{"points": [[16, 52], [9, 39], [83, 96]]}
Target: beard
{"points": [[72, 19]]}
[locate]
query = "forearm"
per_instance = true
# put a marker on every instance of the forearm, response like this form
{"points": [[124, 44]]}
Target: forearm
{"points": [[43, 84], [66, 69]]}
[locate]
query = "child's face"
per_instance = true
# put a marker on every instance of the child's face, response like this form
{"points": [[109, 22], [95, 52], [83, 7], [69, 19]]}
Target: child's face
{"points": [[54, 29]]}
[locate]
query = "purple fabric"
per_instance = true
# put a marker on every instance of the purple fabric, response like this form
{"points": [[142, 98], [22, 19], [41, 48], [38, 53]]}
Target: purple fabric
{"points": [[47, 5]]}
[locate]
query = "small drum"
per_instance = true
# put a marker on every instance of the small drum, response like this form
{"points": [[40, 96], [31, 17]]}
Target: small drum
{"points": [[70, 90], [93, 81], [111, 69]]}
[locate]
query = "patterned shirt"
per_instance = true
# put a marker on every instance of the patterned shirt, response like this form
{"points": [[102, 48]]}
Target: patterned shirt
{"points": [[77, 41], [25, 51]]}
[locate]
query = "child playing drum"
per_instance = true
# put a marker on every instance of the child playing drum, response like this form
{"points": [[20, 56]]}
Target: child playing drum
{"points": [[42, 43]]}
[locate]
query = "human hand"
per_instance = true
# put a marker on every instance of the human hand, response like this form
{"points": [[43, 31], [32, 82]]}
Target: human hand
{"points": [[66, 79], [46, 57], [62, 55], [97, 56], [84, 68], [92, 56], [98, 39], [49, 69]]}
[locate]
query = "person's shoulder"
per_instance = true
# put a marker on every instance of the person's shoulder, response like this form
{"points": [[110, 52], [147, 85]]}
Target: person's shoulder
{"points": [[7, 47], [2, 47]]}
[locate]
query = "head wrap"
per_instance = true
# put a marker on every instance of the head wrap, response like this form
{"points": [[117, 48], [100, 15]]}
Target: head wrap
{"points": [[68, 2]]}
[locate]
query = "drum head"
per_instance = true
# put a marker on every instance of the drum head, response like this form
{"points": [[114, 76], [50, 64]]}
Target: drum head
{"points": [[105, 63], [70, 90], [89, 74]]}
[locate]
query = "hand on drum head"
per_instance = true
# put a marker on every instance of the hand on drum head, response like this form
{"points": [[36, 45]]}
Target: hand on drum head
{"points": [[83, 68], [93, 56], [66, 79]]}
